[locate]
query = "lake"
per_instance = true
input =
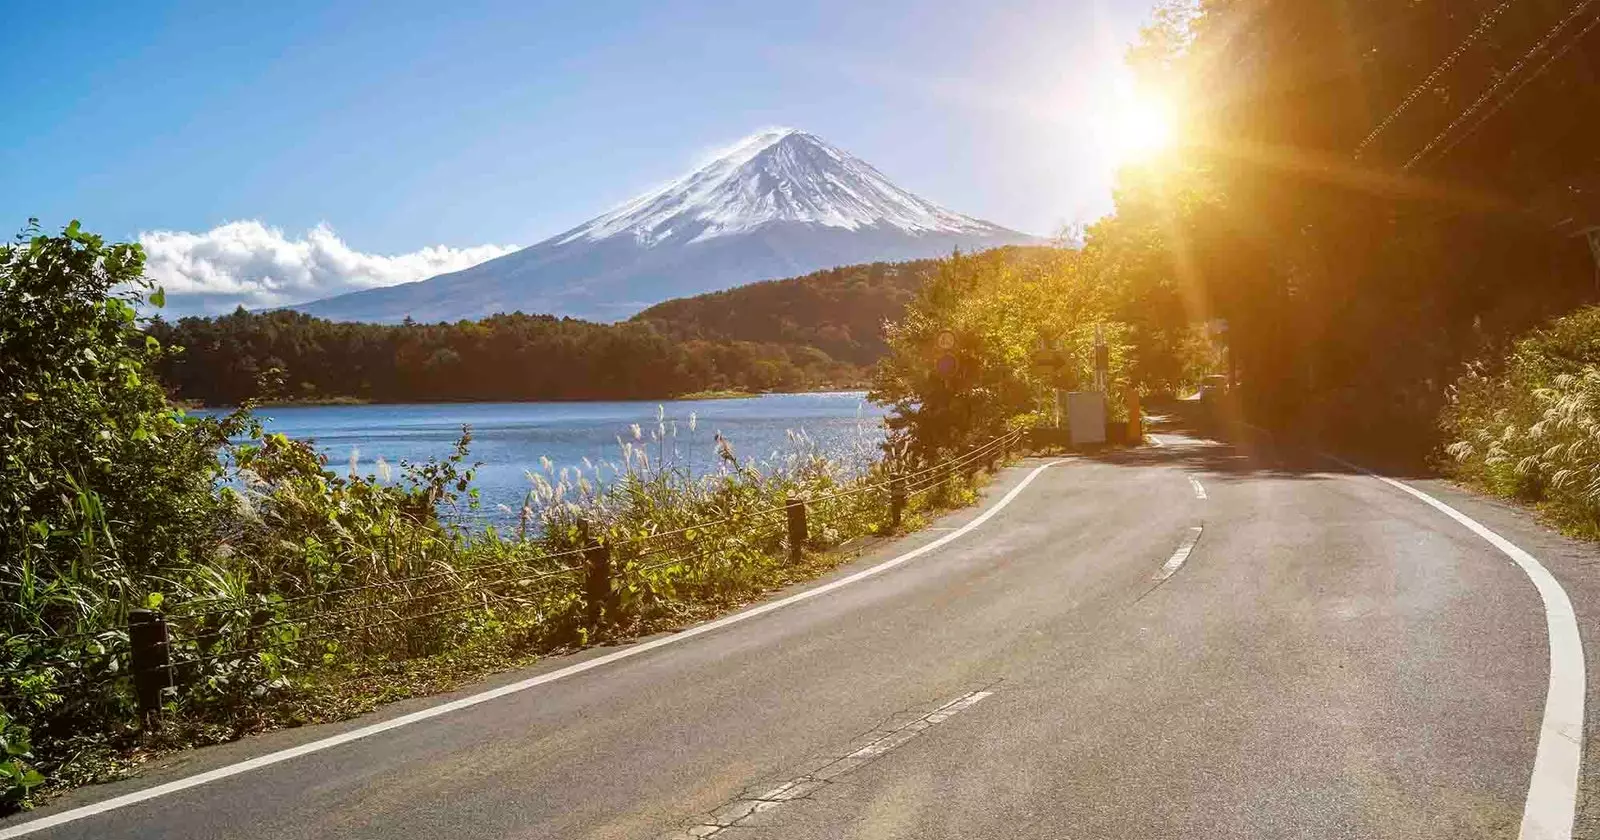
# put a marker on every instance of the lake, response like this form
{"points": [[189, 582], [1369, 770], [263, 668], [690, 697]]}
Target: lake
{"points": [[511, 438]]}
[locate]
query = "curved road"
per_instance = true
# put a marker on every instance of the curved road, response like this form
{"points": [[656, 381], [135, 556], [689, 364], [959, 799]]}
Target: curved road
{"points": [[1178, 641]]}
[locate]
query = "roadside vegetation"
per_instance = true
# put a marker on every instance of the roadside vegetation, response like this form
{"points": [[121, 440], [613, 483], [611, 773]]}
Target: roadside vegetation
{"points": [[1528, 427], [294, 591]]}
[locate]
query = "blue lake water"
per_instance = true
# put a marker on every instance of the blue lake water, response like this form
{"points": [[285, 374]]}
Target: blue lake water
{"points": [[511, 438]]}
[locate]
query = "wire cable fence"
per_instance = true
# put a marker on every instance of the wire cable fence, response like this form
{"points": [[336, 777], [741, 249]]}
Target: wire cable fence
{"points": [[599, 583]]}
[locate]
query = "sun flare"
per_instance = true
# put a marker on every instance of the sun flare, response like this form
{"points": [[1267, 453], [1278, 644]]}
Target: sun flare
{"points": [[1141, 128]]}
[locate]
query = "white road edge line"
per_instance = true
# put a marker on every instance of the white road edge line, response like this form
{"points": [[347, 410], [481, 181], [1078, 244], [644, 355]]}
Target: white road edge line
{"points": [[1551, 805], [368, 731], [1199, 490], [1180, 556]]}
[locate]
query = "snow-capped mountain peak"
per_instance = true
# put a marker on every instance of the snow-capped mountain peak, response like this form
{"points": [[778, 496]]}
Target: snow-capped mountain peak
{"points": [[781, 174], [777, 204]]}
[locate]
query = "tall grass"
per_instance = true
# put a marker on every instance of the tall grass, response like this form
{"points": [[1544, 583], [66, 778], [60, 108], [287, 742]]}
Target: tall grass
{"points": [[1529, 427]]}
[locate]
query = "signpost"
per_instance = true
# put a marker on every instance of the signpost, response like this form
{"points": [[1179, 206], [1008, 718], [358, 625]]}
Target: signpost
{"points": [[1102, 359]]}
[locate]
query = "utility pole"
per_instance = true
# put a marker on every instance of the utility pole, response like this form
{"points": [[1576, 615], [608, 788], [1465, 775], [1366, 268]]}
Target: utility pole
{"points": [[1593, 233]]}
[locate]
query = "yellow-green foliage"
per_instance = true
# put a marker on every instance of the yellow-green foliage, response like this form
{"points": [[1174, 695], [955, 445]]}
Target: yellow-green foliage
{"points": [[1005, 311]]}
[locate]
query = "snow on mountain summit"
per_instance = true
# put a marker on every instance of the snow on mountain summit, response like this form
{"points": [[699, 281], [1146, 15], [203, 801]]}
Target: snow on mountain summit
{"points": [[777, 204], [776, 175]]}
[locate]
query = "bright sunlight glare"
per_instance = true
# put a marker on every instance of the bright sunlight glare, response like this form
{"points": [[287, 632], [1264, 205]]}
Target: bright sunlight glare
{"points": [[1140, 128]]}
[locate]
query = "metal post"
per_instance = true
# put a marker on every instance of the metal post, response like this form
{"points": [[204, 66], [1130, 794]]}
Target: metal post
{"points": [[796, 509], [597, 578], [151, 662], [897, 501]]}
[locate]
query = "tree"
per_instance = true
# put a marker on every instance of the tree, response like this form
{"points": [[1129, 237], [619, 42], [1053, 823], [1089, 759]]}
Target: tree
{"points": [[962, 363], [102, 483]]}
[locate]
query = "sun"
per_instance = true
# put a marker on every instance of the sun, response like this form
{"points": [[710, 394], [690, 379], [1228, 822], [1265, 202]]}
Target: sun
{"points": [[1140, 128]]}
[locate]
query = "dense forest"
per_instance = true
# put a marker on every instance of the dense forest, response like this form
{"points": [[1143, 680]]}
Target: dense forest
{"points": [[290, 356]]}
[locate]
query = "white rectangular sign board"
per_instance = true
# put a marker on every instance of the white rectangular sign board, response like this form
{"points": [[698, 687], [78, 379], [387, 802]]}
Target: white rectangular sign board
{"points": [[1086, 416]]}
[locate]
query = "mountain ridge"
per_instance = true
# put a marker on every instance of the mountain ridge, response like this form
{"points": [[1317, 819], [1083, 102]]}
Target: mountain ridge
{"points": [[778, 204]]}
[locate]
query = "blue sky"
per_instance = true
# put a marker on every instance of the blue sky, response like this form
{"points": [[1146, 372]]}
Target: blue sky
{"points": [[401, 126]]}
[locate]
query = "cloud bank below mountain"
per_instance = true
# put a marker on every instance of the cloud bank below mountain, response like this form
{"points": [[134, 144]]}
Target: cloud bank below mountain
{"points": [[249, 264]]}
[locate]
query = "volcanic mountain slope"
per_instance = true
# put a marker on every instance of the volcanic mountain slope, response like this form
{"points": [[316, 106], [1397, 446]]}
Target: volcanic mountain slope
{"points": [[778, 204]]}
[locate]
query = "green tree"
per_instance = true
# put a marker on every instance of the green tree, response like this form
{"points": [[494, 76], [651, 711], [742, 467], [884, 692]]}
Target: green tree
{"points": [[102, 483]]}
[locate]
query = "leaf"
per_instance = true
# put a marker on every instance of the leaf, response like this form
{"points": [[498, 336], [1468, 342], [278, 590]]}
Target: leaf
{"points": [[158, 298], [153, 600]]}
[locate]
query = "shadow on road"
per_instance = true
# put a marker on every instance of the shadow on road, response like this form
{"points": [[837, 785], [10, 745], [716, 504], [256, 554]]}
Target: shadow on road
{"points": [[1224, 445]]}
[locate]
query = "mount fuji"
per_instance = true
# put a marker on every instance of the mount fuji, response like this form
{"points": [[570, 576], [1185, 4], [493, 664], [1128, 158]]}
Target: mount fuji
{"points": [[780, 203]]}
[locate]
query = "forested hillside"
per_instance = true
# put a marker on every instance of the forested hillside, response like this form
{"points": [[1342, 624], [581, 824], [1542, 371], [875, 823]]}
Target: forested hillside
{"points": [[840, 311]]}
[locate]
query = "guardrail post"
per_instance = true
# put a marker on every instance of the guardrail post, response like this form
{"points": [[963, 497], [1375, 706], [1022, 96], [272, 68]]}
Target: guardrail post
{"points": [[897, 501], [796, 508], [597, 576], [151, 662]]}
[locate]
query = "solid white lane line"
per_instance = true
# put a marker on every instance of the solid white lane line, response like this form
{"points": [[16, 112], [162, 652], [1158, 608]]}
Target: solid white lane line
{"points": [[1199, 490], [368, 731], [1552, 799], [1180, 556]]}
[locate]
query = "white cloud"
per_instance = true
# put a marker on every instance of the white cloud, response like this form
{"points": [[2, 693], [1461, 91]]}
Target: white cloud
{"points": [[250, 264]]}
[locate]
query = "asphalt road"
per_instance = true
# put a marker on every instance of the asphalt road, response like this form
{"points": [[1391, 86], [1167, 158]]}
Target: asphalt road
{"points": [[1331, 658]]}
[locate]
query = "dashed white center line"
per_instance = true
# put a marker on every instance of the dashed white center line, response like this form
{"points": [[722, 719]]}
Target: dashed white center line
{"points": [[1181, 555], [1199, 490], [738, 813]]}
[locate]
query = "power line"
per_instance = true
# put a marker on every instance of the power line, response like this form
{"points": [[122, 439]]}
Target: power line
{"points": [[1554, 57], [1427, 83], [1516, 69]]}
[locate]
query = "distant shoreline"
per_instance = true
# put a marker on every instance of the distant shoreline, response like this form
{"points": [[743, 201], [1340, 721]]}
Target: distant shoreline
{"points": [[695, 396], [715, 395]]}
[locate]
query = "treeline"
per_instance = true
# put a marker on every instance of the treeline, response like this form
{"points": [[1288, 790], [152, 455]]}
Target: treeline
{"points": [[823, 330], [840, 311], [226, 359]]}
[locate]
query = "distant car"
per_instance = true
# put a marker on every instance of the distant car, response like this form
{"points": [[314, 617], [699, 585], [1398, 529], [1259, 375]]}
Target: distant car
{"points": [[1212, 387]]}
